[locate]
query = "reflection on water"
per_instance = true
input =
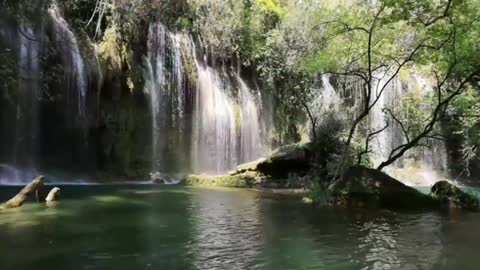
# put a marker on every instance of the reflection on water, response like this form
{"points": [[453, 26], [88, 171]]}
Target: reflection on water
{"points": [[225, 229], [379, 244], [388, 242], [146, 227]]}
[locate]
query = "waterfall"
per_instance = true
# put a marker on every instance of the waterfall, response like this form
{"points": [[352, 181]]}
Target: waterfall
{"points": [[419, 166], [214, 138], [76, 78], [228, 129], [391, 137], [167, 90], [44, 113], [327, 98], [28, 97], [209, 112], [251, 129]]}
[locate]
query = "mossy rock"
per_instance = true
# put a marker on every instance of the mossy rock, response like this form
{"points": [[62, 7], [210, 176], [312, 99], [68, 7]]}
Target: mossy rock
{"points": [[283, 162], [244, 180], [248, 167], [370, 187], [453, 197]]}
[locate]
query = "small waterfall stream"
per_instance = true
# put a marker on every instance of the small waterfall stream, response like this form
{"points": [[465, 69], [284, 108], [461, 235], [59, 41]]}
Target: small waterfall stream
{"points": [[251, 142], [214, 138], [168, 92], [27, 113], [392, 136], [75, 69]]}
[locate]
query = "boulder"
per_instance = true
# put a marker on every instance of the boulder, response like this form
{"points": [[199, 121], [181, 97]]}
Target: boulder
{"points": [[271, 172], [362, 186], [453, 197], [248, 167], [160, 178], [286, 160], [53, 195]]}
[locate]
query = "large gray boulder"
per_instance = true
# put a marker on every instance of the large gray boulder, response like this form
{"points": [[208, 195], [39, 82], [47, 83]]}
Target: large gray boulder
{"points": [[286, 160], [362, 186]]}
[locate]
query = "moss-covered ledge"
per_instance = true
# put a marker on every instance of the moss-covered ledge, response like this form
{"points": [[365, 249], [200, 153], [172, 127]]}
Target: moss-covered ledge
{"points": [[260, 173], [243, 180]]}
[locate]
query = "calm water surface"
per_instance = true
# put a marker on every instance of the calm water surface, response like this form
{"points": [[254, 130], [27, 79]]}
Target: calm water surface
{"points": [[148, 227]]}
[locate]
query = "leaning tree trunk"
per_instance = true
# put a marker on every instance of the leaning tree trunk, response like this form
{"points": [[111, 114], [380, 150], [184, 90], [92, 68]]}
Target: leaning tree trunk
{"points": [[23, 195]]}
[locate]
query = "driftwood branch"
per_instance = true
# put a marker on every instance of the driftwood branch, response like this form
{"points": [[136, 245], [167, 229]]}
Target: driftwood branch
{"points": [[31, 189]]}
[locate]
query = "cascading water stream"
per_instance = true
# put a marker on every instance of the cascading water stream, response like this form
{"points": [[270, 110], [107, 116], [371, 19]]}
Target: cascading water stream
{"points": [[214, 137], [392, 136], [27, 112], [167, 90], [250, 130], [221, 112], [74, 65]]}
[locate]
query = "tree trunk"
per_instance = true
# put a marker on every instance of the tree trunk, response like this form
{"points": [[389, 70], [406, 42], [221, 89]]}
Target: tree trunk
{"points": [[23, 195]]}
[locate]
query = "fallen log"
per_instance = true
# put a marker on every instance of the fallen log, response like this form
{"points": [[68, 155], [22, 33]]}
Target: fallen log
{"points": [[32, 188]]}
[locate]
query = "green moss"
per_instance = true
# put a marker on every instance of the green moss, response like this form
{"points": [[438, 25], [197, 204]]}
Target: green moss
{"points": [[238, 115], [250, 166], [110, 51], [183, 24], [404, 75], [188, 62], [243, 180]]}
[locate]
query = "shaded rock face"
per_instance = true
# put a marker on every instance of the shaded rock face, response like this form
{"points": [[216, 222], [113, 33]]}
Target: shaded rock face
{"points": [[286, 160], [369, 187], [453, 197]]}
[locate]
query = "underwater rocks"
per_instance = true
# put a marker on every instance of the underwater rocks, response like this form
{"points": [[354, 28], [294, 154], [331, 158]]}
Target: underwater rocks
{"points": [[453, 197]]}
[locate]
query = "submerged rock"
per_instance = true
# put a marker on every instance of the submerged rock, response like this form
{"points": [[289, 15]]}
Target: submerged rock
{"points": [[369, 187], [307, 200], [160, 178], [453, 197], [53, 195]]}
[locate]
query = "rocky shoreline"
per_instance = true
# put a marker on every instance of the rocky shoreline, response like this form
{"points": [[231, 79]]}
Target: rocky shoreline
{"points": [[287, 171]]}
